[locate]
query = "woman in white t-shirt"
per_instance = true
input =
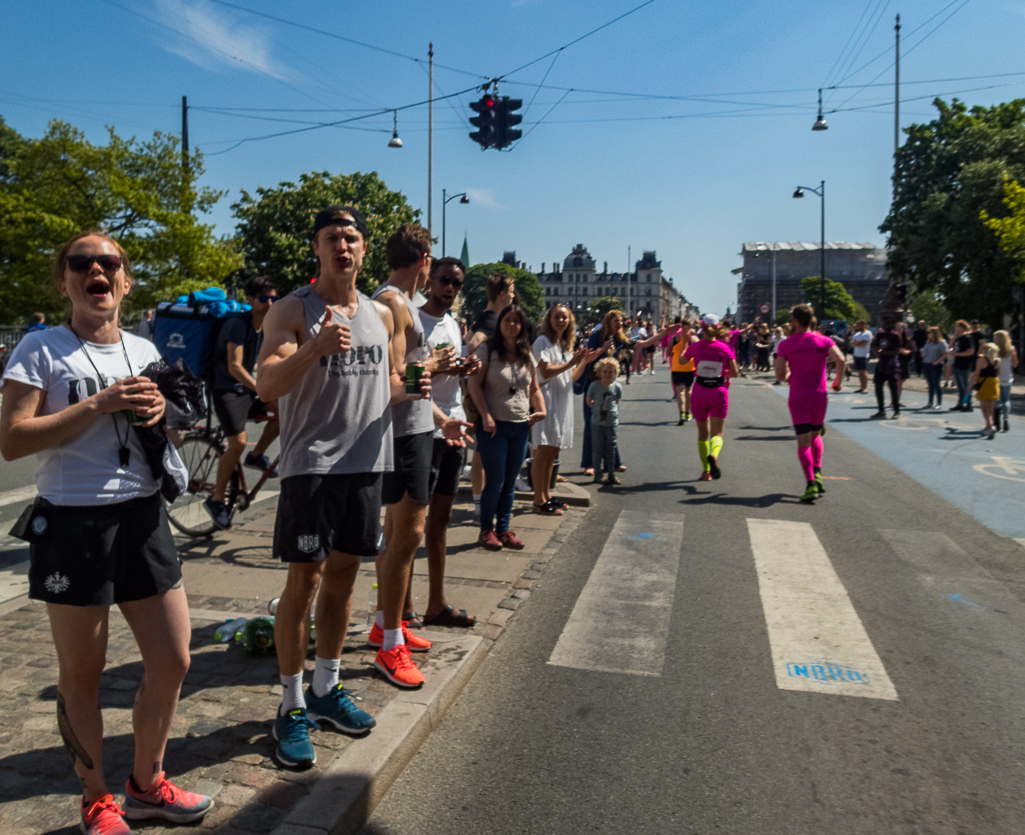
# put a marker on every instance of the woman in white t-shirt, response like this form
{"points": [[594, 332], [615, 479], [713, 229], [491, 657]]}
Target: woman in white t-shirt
{"points": [[558, 365], [98, 531]]}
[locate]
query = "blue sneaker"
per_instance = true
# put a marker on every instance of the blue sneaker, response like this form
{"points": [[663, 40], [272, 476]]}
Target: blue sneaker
{"points": [[292, 731], [337, 708], [219, 513]]}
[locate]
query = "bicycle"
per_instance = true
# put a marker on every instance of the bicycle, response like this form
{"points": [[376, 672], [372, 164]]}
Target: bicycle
{"points": [[201, 449]]}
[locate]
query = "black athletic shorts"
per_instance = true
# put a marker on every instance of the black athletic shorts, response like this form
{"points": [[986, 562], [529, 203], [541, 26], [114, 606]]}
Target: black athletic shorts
{"points": [[233, 409], [318, 514], [412, 473], [100, 555], [861, 363], [446, 464], [682, 378]]}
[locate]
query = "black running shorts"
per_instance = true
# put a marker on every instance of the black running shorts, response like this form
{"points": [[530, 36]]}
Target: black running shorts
{"points": [[445, 468], [233, 409], [318, 514], [412, 473], [682, 378], [100, 555]]}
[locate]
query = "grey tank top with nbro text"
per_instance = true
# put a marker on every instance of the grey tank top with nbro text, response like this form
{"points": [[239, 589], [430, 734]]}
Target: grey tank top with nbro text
{"points": [[411, 417], [338, 417]]}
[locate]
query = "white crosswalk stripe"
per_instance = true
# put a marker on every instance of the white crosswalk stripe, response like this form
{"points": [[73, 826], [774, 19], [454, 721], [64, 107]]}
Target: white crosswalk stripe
{"points": [[817, 640], [620, 623]]}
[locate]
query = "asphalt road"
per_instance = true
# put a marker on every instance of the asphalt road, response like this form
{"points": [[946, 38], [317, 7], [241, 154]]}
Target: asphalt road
{"points": [[655, 681]]}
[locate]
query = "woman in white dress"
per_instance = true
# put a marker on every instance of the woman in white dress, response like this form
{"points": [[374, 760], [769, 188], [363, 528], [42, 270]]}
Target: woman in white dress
{"points": [[558, 366]]}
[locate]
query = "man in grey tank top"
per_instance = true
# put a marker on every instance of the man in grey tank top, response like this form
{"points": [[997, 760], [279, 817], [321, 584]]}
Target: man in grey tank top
{"points": [[406, 489], [329, 359]]}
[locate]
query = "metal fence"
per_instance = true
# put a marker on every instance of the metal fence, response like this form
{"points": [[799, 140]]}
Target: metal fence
{"points": [[10, 336]]}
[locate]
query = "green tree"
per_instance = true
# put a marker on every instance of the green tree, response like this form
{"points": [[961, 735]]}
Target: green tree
{"points": [[1010, 230], [137, 192], [929, 308], [947, 173], [839, 303], [599, 307], [274, 225], [529, 294]]}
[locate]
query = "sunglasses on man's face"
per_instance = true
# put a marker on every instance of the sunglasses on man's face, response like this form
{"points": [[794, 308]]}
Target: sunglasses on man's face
{"points": [[448, 281], [81, 263], [265, 299]]}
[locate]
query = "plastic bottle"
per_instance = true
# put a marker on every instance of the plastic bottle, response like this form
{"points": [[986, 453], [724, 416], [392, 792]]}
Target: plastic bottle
{"points": [[258, 635], [371, 607], [227, 630]]}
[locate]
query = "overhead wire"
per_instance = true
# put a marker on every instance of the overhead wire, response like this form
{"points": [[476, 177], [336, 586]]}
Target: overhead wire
{"points": [[840, 56]]}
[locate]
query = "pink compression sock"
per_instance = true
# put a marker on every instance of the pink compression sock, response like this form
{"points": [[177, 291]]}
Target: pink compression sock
{"points": [[804, 456], [816, 451]]}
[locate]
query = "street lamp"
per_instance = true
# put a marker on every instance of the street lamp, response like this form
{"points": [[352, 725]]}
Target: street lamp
{"points": [[395, 142], [821, 192], [820, 123], [444, 202]]}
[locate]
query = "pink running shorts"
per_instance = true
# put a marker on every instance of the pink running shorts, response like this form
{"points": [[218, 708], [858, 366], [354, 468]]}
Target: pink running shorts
{"points": [[706, 402], [808, 407]]}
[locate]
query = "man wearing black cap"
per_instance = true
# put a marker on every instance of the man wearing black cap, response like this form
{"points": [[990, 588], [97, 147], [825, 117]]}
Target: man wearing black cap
{"points": [[328, 357]]}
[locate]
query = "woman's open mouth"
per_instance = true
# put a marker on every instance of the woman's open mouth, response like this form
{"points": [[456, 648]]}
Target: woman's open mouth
{"points": [[98, 287]]}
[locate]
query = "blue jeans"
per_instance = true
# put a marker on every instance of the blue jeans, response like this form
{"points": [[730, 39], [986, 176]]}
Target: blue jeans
{"points": [[964, 394], [933, 373], [587, 455], [603, 442], [502, 457], [1005, 400]]}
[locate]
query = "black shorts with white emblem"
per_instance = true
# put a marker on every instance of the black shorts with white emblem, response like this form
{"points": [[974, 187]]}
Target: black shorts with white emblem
{"points": [[100, 555], [318, 514]]}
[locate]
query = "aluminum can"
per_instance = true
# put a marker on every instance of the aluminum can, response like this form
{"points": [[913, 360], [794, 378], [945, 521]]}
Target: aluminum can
{"points": [[414, 372]]}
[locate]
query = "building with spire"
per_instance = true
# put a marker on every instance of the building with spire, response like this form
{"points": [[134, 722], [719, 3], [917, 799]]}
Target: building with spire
{"points": [[464, 256]]}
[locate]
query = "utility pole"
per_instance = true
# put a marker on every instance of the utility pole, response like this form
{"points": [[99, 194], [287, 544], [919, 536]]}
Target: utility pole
{"points": [[185, 133], [430, 133], [896, 92]]}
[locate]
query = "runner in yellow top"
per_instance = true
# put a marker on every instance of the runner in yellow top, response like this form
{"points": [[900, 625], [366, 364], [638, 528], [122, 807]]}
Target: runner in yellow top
{"points": [[682, 370]]}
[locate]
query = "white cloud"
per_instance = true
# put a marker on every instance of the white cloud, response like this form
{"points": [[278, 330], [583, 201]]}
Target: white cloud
{"points": [[211, 40], [482, 197]]}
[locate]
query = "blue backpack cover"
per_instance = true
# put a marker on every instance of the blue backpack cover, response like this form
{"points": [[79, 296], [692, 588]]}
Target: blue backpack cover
{"points": [[189, 333]]}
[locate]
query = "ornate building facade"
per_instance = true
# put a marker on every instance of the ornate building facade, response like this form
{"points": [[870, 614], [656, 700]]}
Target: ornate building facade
{"points": [[576, 282]]}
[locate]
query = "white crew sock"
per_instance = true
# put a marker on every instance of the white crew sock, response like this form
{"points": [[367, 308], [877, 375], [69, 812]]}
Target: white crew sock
{"points": [[393, 638], [325, 675], [292, 693], [379, 619], [476, 501]]}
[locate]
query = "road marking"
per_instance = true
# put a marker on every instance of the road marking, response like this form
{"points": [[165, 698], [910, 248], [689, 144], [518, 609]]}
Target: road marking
{"points": [[22, 494], [620, 623], [818, 642], [1008, 468]]}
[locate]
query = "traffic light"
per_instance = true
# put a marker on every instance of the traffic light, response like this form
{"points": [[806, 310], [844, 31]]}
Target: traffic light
{"points": [[507, 117], [486, 121]]}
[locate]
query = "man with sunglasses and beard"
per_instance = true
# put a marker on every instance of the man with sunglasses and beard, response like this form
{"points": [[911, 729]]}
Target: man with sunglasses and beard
{"points": [[234, 393], [442, 330]]}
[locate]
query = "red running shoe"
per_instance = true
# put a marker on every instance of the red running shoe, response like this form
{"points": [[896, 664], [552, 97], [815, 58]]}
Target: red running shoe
{"points": [[413, 641], [102, 816], [164, 800], [706, 476], [509, 540], [487, 539], [397, 666]]}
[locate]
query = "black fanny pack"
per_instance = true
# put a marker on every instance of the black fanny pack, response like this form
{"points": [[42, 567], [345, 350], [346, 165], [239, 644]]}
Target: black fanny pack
{"points": [[711, 382]]}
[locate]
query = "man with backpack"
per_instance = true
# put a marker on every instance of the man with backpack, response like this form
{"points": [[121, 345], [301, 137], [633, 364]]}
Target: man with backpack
{"points": [[234, 393]]}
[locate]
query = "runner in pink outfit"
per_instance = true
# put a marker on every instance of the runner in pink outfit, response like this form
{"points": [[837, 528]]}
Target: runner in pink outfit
{"points": [[807, 354], [714, 364]]}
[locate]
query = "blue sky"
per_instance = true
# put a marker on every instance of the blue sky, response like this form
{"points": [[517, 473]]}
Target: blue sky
{"points": [[682, 127]]}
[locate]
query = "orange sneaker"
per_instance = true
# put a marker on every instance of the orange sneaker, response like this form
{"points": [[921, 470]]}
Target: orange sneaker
{"points": [[397, 666], [102, 816], [413, 641], [164, 800]]}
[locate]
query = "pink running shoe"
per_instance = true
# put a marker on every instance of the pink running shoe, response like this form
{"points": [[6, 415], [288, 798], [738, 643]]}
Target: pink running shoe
{"points": [[102, 816], [487, 539], [164, 800], [705, 476]]}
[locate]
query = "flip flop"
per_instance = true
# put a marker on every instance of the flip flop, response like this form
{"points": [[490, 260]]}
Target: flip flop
{"points": [[413, 620], [450, 616]]}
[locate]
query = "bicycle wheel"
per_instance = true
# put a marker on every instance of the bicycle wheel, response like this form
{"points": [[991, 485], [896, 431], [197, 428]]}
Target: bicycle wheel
{"points": [[200, 452]]}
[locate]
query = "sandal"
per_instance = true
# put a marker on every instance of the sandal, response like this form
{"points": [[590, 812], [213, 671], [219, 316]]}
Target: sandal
{"points": [[561, 478], [450, 616], [413, 620], [549, 508]]}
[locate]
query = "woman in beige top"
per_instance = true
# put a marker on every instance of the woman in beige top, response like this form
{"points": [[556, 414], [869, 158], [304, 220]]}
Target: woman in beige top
{"points": [[505, 390]]}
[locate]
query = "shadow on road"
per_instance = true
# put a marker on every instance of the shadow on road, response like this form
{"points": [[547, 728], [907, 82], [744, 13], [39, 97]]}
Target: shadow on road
{"points": [[744, 501]]}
